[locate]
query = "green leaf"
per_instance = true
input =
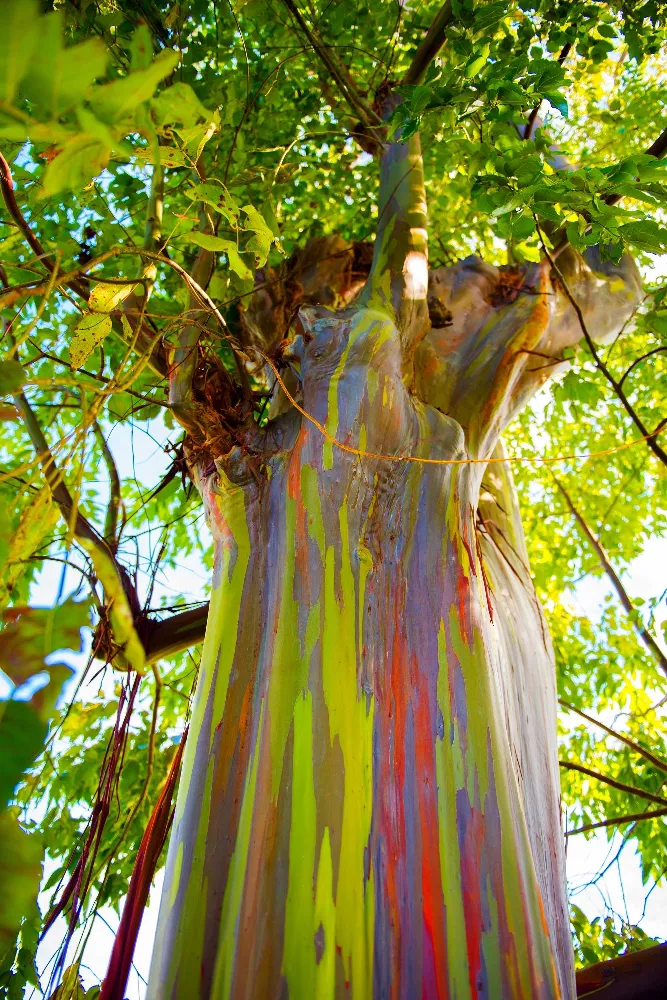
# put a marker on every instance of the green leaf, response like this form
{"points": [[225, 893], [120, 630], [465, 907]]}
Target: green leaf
{"points": [[71, 987], [18, 38], [179, 103], [61, 77], [523, 227], [116, 100], [217, 197], [89, 332], [12, 377], [36, 521], [260, 243], [22, 735], [218, 245], [646, 235], [20, 872], [31, 634], [487, 14], [141, 48], [79, 161], [477, 63]]}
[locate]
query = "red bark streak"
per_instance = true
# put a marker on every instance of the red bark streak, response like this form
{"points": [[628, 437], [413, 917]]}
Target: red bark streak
{"points": [[435, 943], [471, 855]]}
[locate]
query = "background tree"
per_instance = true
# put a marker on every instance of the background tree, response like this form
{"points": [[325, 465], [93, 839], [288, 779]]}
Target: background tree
{"points": [[370, 779]]}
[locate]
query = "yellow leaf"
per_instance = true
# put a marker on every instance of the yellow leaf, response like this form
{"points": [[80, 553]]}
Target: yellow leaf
{"points": [[90, 332], [105, 298]]}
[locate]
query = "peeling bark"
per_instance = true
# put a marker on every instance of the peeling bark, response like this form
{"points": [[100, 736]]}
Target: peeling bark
{"points": [[369, 803]]}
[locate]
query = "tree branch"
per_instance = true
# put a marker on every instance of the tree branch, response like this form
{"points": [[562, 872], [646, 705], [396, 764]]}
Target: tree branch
{"points": [[398, 279], [594, 542], [7, 187], [145, 340], [600, 364], [532, 117], [338, 72], [61, 494], [630, 789], [657, 149], [430, 46], [118, 590], [175, 634], [638, 361], [115, 502], [651, 758], [628, 977], [618, 821]]}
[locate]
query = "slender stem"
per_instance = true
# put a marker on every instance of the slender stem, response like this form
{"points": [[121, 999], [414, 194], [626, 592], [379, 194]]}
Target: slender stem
{"points": [[630, 789], [638, 361], [651, 758], [72, 280], [632, 612], [141, 798]]}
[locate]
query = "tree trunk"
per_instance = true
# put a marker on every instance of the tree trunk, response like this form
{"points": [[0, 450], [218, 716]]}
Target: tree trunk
{"points": [[369, 798]]}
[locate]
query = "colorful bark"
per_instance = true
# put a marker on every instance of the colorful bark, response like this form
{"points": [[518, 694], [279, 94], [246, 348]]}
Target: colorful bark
{"points": [[349, 819], [369, 798]]}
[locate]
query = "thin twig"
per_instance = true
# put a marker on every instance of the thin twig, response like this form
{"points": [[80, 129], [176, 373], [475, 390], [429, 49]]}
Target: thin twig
{"points": [[630, 789], [651, 758], [603, 558], [599, 363], [618, 820]]}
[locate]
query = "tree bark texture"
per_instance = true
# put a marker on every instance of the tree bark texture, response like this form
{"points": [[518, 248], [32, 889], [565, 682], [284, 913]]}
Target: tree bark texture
{"points": [[369, 803]]}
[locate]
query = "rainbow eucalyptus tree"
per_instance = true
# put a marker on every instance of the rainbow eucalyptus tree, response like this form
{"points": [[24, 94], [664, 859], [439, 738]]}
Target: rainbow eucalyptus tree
{"points": [[369, 801]]}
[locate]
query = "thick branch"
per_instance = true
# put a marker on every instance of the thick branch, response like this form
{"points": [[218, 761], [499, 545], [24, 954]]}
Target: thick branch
{"points": [[175, 634], [398, 281], [594, 542], [430, 46], [61, 495], [605, 779], [628, 977]]}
